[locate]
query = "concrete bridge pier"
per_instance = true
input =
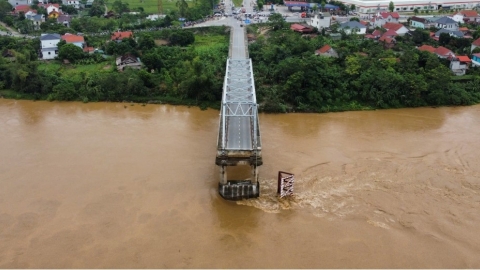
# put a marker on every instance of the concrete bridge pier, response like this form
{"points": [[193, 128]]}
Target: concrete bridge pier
{"points": [[234, 190], [223, 175], [254, 174]]}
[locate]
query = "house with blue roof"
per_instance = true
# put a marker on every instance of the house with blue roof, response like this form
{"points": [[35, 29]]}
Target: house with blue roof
{"points": [[454, 33], [446, 23]]}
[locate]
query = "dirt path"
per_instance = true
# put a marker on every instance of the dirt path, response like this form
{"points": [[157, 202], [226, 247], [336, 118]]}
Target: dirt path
{"points": [[14, 32]]}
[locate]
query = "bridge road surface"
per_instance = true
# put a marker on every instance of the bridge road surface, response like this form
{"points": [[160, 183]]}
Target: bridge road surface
{"points": [[239, 128]]}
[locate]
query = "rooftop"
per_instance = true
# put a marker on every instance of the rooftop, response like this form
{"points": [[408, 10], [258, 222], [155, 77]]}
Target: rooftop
{"points": [[70, 38], [324, 49]]}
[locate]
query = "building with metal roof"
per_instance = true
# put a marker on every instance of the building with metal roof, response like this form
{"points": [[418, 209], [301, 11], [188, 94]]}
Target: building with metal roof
{"points": [[373, 6]]}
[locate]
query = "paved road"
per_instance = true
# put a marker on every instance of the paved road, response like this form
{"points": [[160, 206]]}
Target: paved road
{"points": [[239, 133]]}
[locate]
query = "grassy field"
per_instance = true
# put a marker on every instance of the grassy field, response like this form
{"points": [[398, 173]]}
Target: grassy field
{"points": [[70, 70], [151, 6], [210, 40]]}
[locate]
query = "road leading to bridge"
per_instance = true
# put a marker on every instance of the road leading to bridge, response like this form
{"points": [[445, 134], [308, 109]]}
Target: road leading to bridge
{"points": [[239, 135]]}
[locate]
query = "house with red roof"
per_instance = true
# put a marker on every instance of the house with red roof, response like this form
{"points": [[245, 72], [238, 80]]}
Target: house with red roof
{"points": [[399, 28], [459, 65], [427, 48], [388, 42], [89, 49], [475, 44], [443, 52], [22, 8], [390, 33], [466, 16], [326, 51], [377, 33], [301, 28], [119, 36], [385, 17], [78, 41]]}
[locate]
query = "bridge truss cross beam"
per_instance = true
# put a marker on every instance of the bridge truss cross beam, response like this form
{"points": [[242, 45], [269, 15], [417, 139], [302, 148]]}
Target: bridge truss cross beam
{"points": [[239, 141]]}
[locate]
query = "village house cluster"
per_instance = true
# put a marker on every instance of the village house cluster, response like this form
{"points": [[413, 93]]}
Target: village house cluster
{"points": [[49, 47], [387, 27]]}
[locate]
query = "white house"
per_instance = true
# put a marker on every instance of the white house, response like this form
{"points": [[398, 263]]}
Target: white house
{"points": [[447, 23], [465, 15], [320, 21], [51, 7], [353, 27], [49, 45], [459, 65], [385, 17]]}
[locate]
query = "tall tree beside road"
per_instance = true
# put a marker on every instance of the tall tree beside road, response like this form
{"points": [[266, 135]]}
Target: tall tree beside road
{"points": [[391, 6], [182, 6], [276, 21], [353, 7], [260, 4]]}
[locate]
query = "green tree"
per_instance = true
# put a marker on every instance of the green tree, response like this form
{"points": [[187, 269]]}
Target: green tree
{"points": [[5, 8], [70, 52], [96, 10], [260, 4], [181, 38], [120, 7], [415, 11], [182, 6], [276, 21], [146, 42], [391, 6], [69, 9], [444, 39]]}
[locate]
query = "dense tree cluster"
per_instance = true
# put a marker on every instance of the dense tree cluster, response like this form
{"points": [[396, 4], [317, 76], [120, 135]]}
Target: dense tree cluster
{"points": [[366, 75], [173, 73]]}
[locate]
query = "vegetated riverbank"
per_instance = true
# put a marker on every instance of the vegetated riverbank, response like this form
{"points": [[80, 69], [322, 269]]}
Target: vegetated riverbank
{"points": [[289, 76], [189, 71], [360, 74]]}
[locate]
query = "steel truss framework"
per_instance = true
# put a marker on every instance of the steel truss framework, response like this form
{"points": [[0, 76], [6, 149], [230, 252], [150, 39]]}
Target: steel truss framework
{"points": [[239, 100]]}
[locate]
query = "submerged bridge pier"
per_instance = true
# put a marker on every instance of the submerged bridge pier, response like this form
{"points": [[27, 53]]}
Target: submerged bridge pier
{"points": [[239, 141]]}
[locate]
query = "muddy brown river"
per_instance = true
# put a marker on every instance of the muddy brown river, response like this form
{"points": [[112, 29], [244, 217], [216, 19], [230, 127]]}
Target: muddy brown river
{"points": [[111, 185]]}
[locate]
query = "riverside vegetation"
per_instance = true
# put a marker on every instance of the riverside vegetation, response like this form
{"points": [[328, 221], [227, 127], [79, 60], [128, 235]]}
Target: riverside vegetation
{"points": [[289, 77]]}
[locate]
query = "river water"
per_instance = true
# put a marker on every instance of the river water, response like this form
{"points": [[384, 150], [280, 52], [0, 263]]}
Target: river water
{"points": [[112, 185]]}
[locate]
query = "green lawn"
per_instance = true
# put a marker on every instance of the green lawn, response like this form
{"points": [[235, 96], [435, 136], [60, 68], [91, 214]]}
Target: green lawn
{"points": [[151, 6], [210, 40]]}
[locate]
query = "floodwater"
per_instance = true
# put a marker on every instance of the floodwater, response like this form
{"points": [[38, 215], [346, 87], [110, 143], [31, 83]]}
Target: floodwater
{"points": [[111, 185]]}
